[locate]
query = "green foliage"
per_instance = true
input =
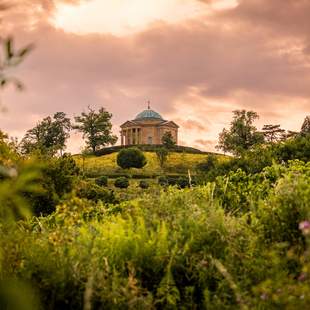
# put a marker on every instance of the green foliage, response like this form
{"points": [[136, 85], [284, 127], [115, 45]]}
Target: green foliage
{"points": [[236, 243], [295, 148], [131, 158], [121, 182], [305, 128], [163, 181], [183, 182], [242, 135], [167, 140], [102, 181], [8, 151], [58, 176], [91, 191], [144, 184], [96, 128], [162, 155], [49, 136], [273, 133], [16, 184]]}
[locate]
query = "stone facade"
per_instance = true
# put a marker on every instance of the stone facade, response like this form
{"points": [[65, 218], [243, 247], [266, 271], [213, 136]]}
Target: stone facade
{"points": [[147, 128]]}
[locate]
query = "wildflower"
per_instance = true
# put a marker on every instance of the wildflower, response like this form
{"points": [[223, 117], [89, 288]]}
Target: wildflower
{"points": [[264, 296], [305, 227], [302, 277]]}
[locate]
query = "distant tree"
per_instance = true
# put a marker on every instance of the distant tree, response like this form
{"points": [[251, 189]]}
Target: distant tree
{"points": [[242, 135], [305, 128], [48, 136], [291, 134], [167, 140], [131, 158], [96, 128], [273, 133], [162, 155]]}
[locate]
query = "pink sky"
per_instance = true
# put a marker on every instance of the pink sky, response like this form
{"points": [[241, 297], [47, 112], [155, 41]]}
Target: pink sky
{"points": [[195, 60]]}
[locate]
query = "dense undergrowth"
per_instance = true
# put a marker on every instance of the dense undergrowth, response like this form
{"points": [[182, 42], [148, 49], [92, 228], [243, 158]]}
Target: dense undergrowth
{"points": [[240, 242], [233, 239]]}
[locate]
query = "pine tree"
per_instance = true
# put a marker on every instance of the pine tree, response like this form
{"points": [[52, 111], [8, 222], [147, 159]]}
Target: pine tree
{"points": [[305, 128], [273, 133]]}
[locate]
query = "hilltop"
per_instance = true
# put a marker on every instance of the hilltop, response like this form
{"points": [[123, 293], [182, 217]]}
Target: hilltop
{"points": [[178, 163]]}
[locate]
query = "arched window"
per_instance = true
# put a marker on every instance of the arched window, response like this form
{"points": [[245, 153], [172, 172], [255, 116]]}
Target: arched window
{"points": [[150, 140]]}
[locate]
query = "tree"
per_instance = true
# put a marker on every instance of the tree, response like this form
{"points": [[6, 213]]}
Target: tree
{"points": [[48, 136], [273, 133], [167, 140], [305, 128], [96, 128], [241, 135], [162, 155], [131, 158]]}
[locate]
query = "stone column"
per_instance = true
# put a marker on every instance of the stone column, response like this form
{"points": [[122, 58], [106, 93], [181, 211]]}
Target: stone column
{"points": [[122, 137], [131, 136], [137, 137], [126, 137]]}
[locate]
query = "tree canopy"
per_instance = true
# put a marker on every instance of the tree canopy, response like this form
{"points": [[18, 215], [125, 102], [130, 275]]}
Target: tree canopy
{"points": [[273, 133], [167, 140], [49, 135], [241, 135], [96, 128], [305, 128]]}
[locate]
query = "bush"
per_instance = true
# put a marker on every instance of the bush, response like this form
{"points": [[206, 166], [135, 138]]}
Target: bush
{"points": [[102, 181], [183, 182], [144, 184], [58, 176], [163, 181], [94, 192], [131, 158], [121, 182]]}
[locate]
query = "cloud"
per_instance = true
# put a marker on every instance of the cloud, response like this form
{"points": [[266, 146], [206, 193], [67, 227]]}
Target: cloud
{"points": [[205, 144], [192, 125], [195, 72]]}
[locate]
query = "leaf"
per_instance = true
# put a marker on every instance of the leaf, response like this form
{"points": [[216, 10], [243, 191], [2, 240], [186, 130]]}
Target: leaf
{"points": [[24, 51], [9, 48]]}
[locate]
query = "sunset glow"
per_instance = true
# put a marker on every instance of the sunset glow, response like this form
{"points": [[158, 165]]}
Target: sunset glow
{"points": [[122, 17], [196, 60]]}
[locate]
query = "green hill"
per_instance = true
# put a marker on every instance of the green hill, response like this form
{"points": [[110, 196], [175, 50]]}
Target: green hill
{"points": [[177, 163]]}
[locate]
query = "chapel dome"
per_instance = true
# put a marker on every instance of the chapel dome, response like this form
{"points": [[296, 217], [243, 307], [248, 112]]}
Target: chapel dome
{"points": [[148, 114]]}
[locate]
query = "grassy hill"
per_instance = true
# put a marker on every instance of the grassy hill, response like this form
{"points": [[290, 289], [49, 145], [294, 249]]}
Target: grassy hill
{"points": [[177, 163]]}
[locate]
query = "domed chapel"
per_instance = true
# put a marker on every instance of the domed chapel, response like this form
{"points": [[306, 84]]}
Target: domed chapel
{"points": [[147, 128]]}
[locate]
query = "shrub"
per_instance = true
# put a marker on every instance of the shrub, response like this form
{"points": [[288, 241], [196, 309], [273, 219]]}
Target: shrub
{"points": [[102, 181], [144, 184], [163, 181], [94, 192], [57, 179], [131, 158], [162, 155], [183, 182], [121, 182]]}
